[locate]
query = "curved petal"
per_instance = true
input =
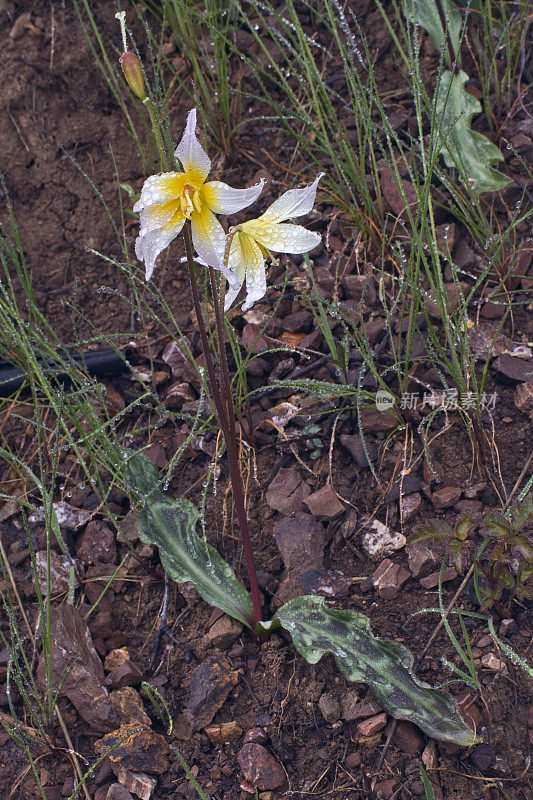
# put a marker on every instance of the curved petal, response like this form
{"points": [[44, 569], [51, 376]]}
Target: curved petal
{"points": [[150, 243], [286, 238], [190, 152], [223, 199], [209, 241], [247, 261], [294, 203], [159, 216], [238, 268], [159, 189]]}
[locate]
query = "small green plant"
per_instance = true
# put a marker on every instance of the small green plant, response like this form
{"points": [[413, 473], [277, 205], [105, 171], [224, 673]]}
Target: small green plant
{"points": [[504, 561]]}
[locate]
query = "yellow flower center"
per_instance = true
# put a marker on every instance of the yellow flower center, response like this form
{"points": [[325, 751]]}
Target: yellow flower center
{"points": [[190, 200]]}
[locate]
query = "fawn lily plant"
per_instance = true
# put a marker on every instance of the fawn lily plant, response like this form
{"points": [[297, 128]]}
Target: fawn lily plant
{"points": [[252, 242], [170, 198]]}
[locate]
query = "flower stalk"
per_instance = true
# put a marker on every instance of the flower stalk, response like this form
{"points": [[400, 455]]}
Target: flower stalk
{"points": [[223, 400]]}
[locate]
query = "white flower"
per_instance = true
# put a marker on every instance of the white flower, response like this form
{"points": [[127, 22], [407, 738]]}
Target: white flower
{"points": [[170, 198], [255, 241]]}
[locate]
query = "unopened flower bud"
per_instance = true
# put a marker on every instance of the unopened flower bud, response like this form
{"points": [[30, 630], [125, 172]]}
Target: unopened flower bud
{"points": [[131, 67]]}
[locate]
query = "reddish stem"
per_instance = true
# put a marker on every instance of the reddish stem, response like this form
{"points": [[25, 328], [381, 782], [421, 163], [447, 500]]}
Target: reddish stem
{"points": [[223, 401]]}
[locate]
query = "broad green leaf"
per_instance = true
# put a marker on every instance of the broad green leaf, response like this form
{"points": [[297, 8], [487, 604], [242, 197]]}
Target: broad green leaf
{"points": [[436, 530], [523, 513], [469, 151], [497, 525], [170, 525], [425, 13], [386, 666]]}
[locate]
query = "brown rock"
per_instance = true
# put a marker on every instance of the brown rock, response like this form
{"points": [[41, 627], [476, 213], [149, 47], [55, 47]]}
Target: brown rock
{"points": [[513, 368], [324, 505], [374, 421], [446, 497], [76, 667], [394, 197], [523, 397], [430, 581], [118, 792], [403, 487], [408, 738], [326, 582], [225, 732], [352, 710], [129, 706], [127, 674], [301, 543], [211, 683], [421, 559], [385, 789], [223, 632], [372, 725], [135, 748], [139, 783], [181, 365], [490, 661], [260, 768], [59, 573], [178, 394], [116, 658], [354, 760], [329, 707], [354, 445], [388, 579], [287, 491], [97, 543], [410, 506], [256, 735]]}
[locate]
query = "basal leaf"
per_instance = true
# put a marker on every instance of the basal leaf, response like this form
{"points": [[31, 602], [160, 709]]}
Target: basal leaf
{"points": [[386, 666], [425, 13], [469, 151], [170, 524]]}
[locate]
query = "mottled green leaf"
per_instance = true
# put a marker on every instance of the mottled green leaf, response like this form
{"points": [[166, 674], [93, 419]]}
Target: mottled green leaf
{"points": [[469, 151], [425, 13], [495, 524], [434, 531], [386, 666], [170, 524]]}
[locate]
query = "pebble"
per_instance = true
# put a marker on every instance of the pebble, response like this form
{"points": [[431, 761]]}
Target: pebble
{"points": [[385, 789], [372, 725], [354, 760], [432, 580], [523, 397], [260, 768], [224, 732], [118, 792], [329, 707], [324, 505], [354, 445], [256, 735], [408, 738], [139, 783], [410, 505], [137, 748], [446, 497], [97, 543], [490, 661], [421, 559], [223, 632], [388, 579]]}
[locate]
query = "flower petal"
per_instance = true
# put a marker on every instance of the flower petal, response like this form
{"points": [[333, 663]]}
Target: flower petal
{"points": [[294, 203], [158, 216], [287, 238], [247, 261], [238, 268], [150, 243], [209, 241], [159, 189], [223, 199], [190, 152]]}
